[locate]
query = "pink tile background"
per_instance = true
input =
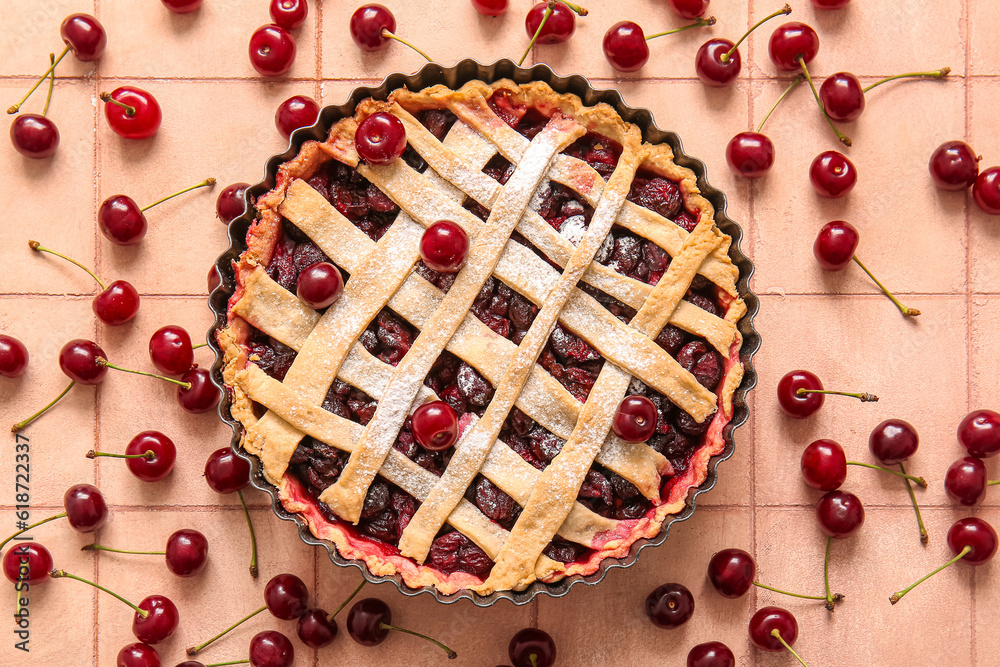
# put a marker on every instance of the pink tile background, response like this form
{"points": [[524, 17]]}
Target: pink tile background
{"points": [[934, 248]]}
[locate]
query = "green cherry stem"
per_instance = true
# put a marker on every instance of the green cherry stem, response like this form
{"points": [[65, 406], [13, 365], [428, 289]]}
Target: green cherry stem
{"points": [[907, 312], [34, 525], [129, 110], [896, 597], [98, 547], [149, 455], [826, 575], [21, 424], [253, 536], [993, 482], [38, 247], [451, 654], [844, 139], [390, 35], [208, 182], [697, 24], [538, 31], [101, 361], [200, 647], [794, 595], [936, 74], [52, 83], [17, 107], [781, 12], [60, 574], [347, 601], [195, 347], [231, 662], [792, 86], [916, 507], [919, 481], [863, 397], [777, 635], [577, 8]]}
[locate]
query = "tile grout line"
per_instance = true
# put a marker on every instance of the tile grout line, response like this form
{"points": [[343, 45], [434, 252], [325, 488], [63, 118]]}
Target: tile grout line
{"points": [[96, 82], [966, 84], [318, 85]]}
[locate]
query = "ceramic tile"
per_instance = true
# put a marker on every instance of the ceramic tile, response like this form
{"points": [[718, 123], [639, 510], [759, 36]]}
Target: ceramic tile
{"points": [[27, 46], [983, 15], [984, 230]]}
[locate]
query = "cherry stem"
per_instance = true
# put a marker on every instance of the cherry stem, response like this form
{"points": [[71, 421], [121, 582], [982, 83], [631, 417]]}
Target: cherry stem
{"points": [[451, 654], [200, 647], [232, 662], [253, 536], [149, 455], [908, 312], [20, 425], [863, 397], [59, 574], [781, 12], [34, 525], [390, 35], [37, 247], [697, 24], [777, 635], [577, 8], [52, 83], [844, 139], [794, 595], [538, 31], [129, 110], [98, 547], [826, 574], [792, 86], [17, 107], [936, 74], [195, 347], [896, 597], [919, 481], [916, 507], [206, 183], [101, 361], [993, 482], [347, 601]]}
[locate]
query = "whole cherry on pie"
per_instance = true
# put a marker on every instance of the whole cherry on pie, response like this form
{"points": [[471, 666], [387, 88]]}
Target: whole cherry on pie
{"points": [[319, 285], [444, 246], [272, 50], [718, 61], [532, 647], [635, 420], [979, 433], [380, 138], [435, 426], [289, 14], [986, 191], [13, 357], [295, 112], [132, 112], [954, 166]]}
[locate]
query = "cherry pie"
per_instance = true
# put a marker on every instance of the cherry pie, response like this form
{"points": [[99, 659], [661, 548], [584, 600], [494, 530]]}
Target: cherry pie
{"points": [[595, 272]]}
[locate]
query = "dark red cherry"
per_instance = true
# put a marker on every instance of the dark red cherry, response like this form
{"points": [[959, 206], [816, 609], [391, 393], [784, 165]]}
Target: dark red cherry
{"points": [[170, 350], [121, 220], [271, 649], [295, 112], [532, 647], [85, 35], [977, 534], [159, 624], [711, 654], [181, 6], [965, 481], [160, 464], [315, 629], [670, 606], [202, 396], [226, 472], [117, 304], [435, 426], [444, 246], [710, 67], [78, 360], [842, 96], [832, 174], [840, 514], [688, 9], [366, 619], [34, 135], [27, 561], [625, 46], [791, 41], [795, 405], [319, 285], [380, 138], [979, 433], [272, 50], [231, 203], [835, 245], [139, 118], [559, 28], [893, 441], [768, 619], [13, 357], [732, 572], [367, 25], [85, 508], [289, 14], [954, 166], [286, 597], [986, 191], [214, 279], [635, 420], [138, 654], [824, 465], [490, 7], [187, 552], [750, 154], [830, 4]]}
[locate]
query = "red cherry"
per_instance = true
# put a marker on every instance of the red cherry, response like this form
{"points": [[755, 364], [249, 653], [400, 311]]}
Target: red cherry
{"points": [[202, 396], [559, 28], [842, 96], [27, 562], [86, 510], [954, 166], [791, 41], [750, 154], [435, 426], [117, 304], [979, 433], [986, 191], [34, 135], [368, 25], [289, 14], [181, 6], [490, 7], [893, 441], [380, 138], [830, 4], [170, 350], [186, 552], [78, 360], [444, 246], [226, 472], [121, 221], [711, 654], [824, 465], [286, 597], [832, 174], [710, 67], [159, 624], [316, 629], [272, 50], [635, 420], [732, 572], [230, 204], [319, 285], [85, 35], [139, 655], [532, 647], [835, 245], [214, 279], [688, 9], [794, 404], [965, 481], [159, 465], [295, 112], [769, 619], [134, 114], [13, 357], [625, 46], [271, 649], [670, 606], [840, 514]]}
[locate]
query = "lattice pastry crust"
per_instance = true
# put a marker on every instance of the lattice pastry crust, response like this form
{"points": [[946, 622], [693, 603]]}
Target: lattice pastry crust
{"points": [[277, 414]]}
